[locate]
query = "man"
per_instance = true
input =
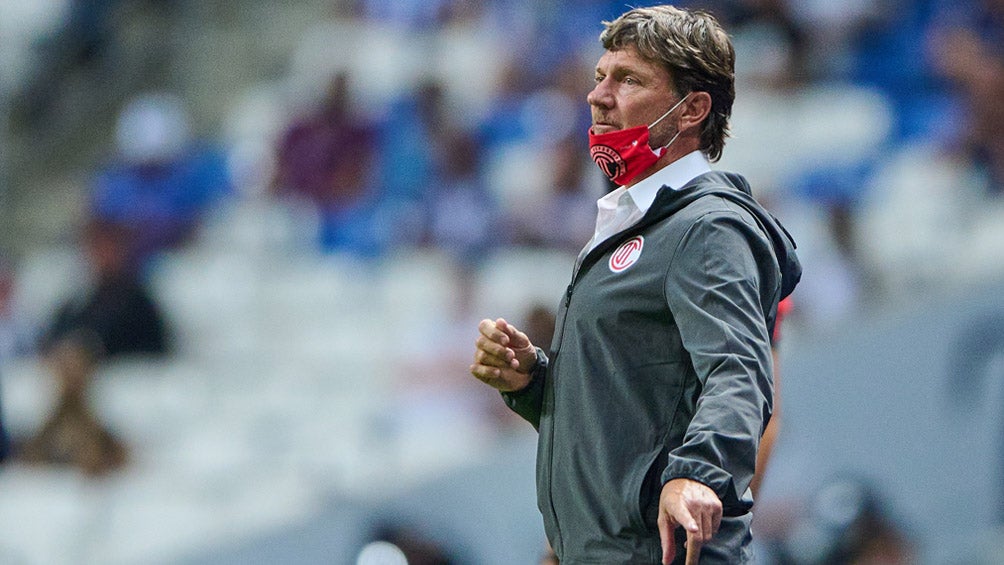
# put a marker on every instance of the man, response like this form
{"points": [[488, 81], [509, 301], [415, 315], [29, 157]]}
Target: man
{"points": [[657, 387]]}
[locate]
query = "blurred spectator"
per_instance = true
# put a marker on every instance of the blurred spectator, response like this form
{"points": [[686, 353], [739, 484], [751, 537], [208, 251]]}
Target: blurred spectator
{"points": [[548, 557], [847, 524], [429, 169], [457, 191], [530, 116], [567, 216], [325, 155], [117, 314], [503, 123], [414, 155], [73, 434], [414, 547], [162, 180], [944, 190], [968, 51], [773, 47], [16, 338], [114, 317], [770, 434], [539, 323], [462, 218], [16, 334], [327, 158], [886, 50], [83, 37], [381, 553]]}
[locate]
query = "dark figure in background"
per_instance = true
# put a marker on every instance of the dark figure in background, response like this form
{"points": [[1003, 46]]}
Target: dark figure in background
{"points": [[658, 384], [162, 181], [327, 159], [85, 38], [848, 523], [324, 156], [968, 51], [117, 315], [115, 318]]}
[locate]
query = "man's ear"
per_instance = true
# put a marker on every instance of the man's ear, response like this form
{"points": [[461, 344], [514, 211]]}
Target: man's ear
{"points": [[695, 110]]}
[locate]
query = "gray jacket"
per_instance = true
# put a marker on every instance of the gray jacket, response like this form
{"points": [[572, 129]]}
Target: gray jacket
{"points": [[660, 368]]}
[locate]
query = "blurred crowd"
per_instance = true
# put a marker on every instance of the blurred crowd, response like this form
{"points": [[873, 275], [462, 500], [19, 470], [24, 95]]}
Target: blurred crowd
{"points": [[462, 126], [871, 128]]}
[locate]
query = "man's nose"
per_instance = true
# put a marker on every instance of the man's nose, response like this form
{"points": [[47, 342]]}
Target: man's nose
{"points": [[600, 95]]}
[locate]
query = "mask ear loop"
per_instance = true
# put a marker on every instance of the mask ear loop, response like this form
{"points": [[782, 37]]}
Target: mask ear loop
{"points": [[668, 112], [671, 141]]}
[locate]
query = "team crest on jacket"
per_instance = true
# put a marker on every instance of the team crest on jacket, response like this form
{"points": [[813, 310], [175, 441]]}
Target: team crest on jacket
{"points": [[626, 255]]}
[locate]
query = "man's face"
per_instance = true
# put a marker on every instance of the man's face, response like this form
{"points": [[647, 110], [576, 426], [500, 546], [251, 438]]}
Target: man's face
{"points": [[629, 92]]}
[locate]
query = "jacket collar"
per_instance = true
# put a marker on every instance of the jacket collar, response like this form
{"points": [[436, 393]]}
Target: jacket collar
{"points": [[674, 175]]}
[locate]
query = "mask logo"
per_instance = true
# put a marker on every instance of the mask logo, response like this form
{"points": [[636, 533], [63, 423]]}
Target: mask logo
{"points": [[627, 254], [608, 160]]}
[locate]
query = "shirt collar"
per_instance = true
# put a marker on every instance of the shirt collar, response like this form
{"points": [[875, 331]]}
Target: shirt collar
{"points": [[674, 175]]}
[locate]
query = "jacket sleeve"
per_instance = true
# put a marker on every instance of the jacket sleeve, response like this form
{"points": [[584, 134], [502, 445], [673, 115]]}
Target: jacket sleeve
{"points": [[529, 401], [713, 288]]}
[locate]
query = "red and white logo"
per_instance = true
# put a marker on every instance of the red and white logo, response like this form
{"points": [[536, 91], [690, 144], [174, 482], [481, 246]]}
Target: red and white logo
{"points": [[609, 160], [626, 255]]}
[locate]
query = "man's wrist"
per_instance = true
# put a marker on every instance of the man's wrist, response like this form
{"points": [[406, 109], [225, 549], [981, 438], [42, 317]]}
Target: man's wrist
{"points": [[539, 364], [536, 372]]}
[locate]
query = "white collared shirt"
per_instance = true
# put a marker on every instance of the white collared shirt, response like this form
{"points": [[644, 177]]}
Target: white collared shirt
{"points": [[623, 207]]}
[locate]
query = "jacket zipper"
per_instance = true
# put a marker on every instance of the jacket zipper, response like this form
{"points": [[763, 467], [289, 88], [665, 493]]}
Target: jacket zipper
{"points": [[550, 450]]}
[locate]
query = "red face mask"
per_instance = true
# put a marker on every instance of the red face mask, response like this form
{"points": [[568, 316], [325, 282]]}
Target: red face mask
{"points": [[624, 154]]}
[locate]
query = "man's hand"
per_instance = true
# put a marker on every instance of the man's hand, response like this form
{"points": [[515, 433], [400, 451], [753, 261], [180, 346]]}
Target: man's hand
{"points": [[694, 506], [503, 356]]}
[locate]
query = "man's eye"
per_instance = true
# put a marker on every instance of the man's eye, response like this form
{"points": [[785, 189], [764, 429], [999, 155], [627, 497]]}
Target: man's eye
{"points": [[597, 79], [630, 80]]}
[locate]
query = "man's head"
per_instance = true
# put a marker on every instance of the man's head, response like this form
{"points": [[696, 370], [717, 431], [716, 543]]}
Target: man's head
{"points": [[695, 51]]}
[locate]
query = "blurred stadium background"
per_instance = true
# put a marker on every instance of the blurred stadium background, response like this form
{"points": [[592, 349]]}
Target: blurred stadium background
{"points": [[316, 397]]}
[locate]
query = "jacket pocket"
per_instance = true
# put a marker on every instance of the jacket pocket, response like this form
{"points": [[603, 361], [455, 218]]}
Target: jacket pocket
{"points": [[645, 487], [655, 380]]}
